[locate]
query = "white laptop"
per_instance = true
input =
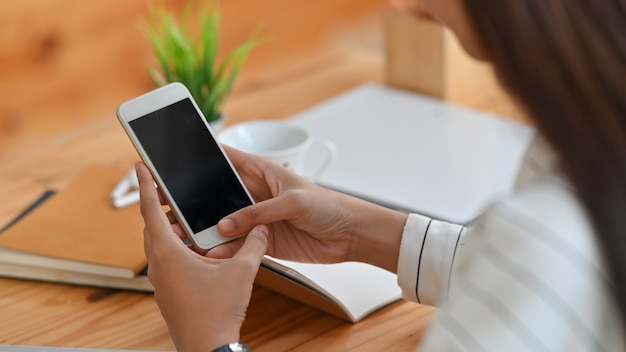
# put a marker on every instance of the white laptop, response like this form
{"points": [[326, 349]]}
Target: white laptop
{"points": [[414, 153]]}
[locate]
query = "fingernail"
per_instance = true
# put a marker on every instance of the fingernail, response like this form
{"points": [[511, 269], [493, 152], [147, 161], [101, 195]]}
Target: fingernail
{"points": [[226, 225]]}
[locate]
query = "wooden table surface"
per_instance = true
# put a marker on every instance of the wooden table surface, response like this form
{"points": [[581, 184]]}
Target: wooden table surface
{"points": [[65, 67]]}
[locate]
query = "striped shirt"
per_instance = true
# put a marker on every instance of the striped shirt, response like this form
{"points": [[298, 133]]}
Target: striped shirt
{"points": [[527, 275]]}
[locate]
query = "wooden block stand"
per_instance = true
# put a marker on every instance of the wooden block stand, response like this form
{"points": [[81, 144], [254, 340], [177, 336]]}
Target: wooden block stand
{"points": [[424, 57]]}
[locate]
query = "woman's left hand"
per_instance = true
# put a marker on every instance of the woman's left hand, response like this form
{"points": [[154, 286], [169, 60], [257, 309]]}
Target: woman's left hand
{"points": [[203, 300]]}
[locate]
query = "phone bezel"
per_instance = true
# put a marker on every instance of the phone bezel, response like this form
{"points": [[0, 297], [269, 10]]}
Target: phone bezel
{"points": [[152, 101]]}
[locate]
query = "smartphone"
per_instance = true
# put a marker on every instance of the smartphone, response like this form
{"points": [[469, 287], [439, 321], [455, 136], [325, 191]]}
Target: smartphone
{"points": [[190, 167]]}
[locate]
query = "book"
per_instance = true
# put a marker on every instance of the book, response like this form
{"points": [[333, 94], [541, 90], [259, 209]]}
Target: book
{"points": [[349, 290], [17, 271], [106, 250], [60, 238]]}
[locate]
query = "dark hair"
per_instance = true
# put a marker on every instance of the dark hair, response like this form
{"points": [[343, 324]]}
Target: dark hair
{"points": [[565, 62]]}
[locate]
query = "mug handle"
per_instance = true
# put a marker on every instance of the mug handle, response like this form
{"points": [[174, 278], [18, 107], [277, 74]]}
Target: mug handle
{"points": [[331, 153]]}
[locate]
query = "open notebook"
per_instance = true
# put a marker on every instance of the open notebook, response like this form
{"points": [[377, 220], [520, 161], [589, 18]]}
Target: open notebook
{"points": [[408, 152]]}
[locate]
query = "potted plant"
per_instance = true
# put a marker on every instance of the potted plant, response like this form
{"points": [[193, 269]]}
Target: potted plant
{"points": [[189, 55]]}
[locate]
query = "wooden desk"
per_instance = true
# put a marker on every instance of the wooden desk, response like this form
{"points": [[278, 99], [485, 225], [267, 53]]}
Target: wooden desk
{"points": [[47, 138], [58, 315]]}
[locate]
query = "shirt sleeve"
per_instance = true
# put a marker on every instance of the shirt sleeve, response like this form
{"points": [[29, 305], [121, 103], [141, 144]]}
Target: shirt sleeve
{"points": [[528, 278], [427, 254]]}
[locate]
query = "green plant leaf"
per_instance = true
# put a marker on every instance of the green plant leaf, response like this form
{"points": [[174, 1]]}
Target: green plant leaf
{"points": [[209, 34], [192, 59]]}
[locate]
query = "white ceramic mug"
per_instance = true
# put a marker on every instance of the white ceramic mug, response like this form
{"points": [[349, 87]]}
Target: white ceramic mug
{"points": [[279, 141]]}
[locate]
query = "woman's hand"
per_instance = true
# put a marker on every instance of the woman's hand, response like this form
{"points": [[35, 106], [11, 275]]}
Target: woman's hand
{"points": [[203, 300], [309, 223]]}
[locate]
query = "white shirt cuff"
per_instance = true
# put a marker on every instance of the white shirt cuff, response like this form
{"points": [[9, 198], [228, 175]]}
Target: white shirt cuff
{"points": [[426, 256]]}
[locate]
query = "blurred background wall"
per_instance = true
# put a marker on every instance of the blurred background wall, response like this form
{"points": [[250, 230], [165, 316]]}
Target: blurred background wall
{"points": [[66, 63]]}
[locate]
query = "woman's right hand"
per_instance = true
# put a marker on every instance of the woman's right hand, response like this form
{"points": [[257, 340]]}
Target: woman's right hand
{"points": [[309, 223]]}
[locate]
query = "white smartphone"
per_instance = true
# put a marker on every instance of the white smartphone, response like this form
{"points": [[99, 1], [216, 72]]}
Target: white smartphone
{"points": [[190, 167]]}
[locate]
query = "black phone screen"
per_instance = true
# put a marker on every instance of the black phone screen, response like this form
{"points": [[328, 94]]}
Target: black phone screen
{"points": [[191, 164]]}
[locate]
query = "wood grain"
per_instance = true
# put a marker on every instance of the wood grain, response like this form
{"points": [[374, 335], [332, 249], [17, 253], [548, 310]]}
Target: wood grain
{"points": [[64, 68], [69, 63]]}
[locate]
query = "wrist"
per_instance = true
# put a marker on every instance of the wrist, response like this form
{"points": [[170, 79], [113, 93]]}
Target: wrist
{"points": [[377, 237], [213, 339]]}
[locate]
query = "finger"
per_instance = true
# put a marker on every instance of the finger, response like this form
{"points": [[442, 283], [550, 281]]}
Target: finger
{"points": [[162, 199], [171, 217], [157, 225], [254, 247], [286, 206], [178, 230], [236, 156], [226, 250], [175, 225], [240, 158]]}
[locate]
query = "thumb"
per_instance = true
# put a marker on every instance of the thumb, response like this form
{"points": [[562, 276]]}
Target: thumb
{"points": [[270, 210], [254, 247]]}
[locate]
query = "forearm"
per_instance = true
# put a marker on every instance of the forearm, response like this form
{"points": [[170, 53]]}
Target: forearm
{"points": [[377, 233]]}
